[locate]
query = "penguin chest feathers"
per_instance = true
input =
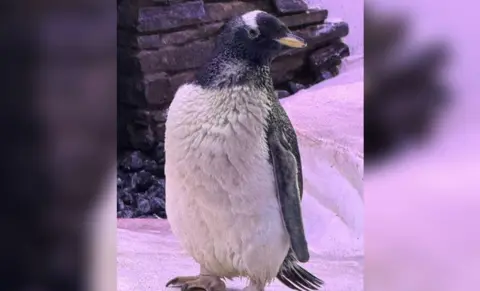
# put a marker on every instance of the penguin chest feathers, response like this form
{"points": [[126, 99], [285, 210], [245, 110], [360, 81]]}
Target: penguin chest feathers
{"points": [[220, 189], [218, 132]]}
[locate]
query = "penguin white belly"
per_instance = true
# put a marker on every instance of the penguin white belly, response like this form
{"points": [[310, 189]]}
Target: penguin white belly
{"points": [[220, 190]]}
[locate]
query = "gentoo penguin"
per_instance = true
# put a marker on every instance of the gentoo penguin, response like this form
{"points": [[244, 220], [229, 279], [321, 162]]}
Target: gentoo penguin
{"points": [[233, 169]]}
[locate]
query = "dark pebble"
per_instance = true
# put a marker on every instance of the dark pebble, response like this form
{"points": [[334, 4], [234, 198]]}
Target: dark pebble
{"points": [[154, 168], [121, 174], [295, 87], [151, 165], [141, 181], [282, 94], [145, 216], [135, 179], [141, 137], [326, 75], [120, 183], [143, 206], [159, 153], [133, 161], [123, 179], [157, 189], [158, 205], [127, 213], [126, 196], [120, 205]]}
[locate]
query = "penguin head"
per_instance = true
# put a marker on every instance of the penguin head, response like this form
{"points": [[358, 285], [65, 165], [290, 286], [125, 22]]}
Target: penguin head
{"points": [[257, 36]]}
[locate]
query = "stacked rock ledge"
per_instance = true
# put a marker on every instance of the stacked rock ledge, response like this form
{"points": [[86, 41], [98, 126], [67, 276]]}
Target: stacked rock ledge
{"points": [[161, 44]]}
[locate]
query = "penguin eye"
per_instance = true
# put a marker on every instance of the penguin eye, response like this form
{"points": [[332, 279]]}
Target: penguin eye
{"points": [[253, 33]]}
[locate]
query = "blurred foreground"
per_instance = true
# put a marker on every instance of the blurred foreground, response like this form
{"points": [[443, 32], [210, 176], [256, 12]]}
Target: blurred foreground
{"points": [[422, 128], [58, 144]]}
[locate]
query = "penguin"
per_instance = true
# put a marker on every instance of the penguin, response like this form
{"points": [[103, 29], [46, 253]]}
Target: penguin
{"points": [[233, 168]]}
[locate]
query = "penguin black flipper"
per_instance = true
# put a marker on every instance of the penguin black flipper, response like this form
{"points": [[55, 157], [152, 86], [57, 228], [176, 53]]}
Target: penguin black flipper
{"points": [[287, 168], [285, 160]]}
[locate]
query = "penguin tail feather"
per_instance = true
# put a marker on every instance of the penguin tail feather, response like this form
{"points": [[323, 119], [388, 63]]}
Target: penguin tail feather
{"points": [[295, 277]]}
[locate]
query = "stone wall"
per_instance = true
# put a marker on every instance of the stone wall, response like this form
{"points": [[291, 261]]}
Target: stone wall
{"points": [[161, 43]]}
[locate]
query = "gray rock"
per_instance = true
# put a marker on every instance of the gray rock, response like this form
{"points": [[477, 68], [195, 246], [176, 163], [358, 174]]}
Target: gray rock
{"points": [[282, 94], [158, 205], [140, 136], [159, 154], [160, 115], [153, 167], [120, 183], [160, 18], [126, 197], [130, 92], [156, 89], [328, 56], [120, 205], [324, 63], [189, 35], [328, 74], [133, 161], [224, 11], [127, 213], [290, 6], [179, 79], [173, 59], [141, 181], [303, 19], [284, 68], [295, 87], [322, 33], [156, 41], [148, 42], [157, 189], [318, 35], [143, 206], [325, 75]]}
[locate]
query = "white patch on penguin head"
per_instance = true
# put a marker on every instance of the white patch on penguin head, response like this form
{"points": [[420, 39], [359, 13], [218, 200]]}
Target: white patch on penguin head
{"points": [[250, 18]]}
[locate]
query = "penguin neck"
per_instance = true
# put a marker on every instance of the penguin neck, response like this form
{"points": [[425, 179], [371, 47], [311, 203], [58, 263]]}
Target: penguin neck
{"points": [[226, 70]]}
